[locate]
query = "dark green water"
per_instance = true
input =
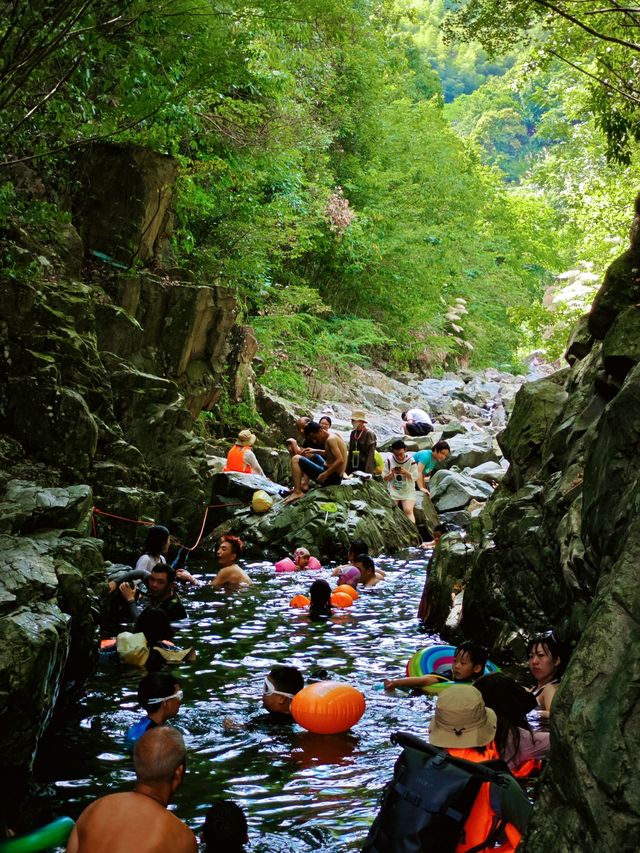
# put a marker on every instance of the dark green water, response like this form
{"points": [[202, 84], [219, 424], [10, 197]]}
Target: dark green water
{"points": [[300, 791]]}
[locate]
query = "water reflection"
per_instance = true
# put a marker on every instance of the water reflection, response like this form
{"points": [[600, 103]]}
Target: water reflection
{"points": [[300, 791]]}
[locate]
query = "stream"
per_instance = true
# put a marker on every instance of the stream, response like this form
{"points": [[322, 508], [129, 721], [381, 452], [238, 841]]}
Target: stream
{"points": [[300, 791]]}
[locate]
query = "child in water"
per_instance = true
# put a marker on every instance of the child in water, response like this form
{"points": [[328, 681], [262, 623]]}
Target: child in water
{"points": [[320, 594], [469, 662]]}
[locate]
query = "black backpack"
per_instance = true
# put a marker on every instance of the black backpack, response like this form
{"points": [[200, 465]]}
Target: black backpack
{"points": [[425, 806]]}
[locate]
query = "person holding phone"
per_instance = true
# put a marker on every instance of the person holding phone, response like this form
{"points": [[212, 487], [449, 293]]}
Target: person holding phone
{"points": [[400, 475]]}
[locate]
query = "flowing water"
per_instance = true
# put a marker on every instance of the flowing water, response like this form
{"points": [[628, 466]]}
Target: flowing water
{"points": [[300, 791]]}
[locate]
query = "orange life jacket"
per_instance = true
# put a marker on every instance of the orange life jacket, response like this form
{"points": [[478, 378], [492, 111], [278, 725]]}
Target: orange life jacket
{"points": [[235, 460], [484, 818], [528, 768]]}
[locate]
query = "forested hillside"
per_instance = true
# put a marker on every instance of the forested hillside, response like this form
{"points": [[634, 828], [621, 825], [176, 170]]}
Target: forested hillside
{"points": [[322, 177]]}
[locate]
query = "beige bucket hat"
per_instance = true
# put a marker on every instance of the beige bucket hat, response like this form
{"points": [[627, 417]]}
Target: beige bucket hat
{"points": [[359, 415], [461, 719], [246, 438]]}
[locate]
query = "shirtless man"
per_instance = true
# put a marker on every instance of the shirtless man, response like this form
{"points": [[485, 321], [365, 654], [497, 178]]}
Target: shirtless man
{"points": [[326, 472], [138, 820], [229, 550]]}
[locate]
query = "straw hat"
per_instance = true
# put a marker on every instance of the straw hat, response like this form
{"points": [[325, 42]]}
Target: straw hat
{"points": [[246, 438], [359, 415], [461, 719]]}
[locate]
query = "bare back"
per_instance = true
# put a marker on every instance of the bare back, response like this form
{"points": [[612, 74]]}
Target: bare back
{"points": [[336, 449], [120, 823], [232, 575]]}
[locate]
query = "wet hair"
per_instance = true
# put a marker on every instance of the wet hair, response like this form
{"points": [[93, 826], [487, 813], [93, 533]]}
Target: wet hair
{"points": [[398, 444], [156, 540], [366, 562], [286, 678], [325, 418], [155, 625], [358, 546], [165, 569], [476, 652], [154, 686], [312, 428], [158, 754], [225, 828], [512, 703], [440, 445], [553, 647], [237, 545], [320, 594]]}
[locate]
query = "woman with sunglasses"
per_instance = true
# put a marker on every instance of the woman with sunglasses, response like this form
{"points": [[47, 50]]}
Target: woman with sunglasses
{"points": [[548, 659]]}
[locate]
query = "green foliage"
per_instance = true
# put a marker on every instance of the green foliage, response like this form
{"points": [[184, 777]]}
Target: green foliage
{"points": [[228, 417]]}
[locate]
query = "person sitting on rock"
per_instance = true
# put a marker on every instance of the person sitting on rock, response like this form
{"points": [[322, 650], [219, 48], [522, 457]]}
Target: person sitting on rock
{"points": [[326, 472], [469, 661], [159, 694], [138, 820], [225, 828], [401, 473], [416, 422], [428, 461], [367, 568], [241, 458], [229, 550], [325, 422], [548, 658], [362, 445], [161, 594]]}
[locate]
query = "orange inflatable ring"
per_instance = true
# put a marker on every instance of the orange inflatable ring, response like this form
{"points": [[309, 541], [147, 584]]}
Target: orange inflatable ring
{"points": [[341, 599], [328, 707], [345, 587], [300, 601]]}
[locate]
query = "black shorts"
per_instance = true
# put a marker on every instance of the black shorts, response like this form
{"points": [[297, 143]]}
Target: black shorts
{"points": [[419, 429]]}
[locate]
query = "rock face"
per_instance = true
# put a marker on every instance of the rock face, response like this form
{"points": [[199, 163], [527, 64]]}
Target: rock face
{"points": [[559, 547], [325, 521], [51, 585]]}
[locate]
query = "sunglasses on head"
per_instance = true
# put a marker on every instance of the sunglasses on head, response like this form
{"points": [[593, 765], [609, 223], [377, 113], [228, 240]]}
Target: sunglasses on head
{"points": [[545, 635], [270, 690], [177, 695]]}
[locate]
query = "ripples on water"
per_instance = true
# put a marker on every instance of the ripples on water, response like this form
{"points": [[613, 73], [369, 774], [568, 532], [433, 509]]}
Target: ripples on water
{"points": [[300, 791]]}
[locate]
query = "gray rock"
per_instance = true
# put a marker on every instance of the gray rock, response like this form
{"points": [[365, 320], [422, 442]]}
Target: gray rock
{"points": [[488, 471], [451, 490], [471, 450], [35, 507]]}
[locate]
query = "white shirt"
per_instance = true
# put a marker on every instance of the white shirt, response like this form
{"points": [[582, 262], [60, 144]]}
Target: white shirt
{"points": [[418, 416]]}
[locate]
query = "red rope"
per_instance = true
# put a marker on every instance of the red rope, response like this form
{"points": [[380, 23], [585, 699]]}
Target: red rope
{"points": [[96, 511]]}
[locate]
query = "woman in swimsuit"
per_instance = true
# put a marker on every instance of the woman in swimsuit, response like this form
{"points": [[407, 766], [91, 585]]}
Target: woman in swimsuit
{"points": [[547, 661]]}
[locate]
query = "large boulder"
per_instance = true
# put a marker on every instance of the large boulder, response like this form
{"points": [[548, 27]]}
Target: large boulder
{"points": [[451, 490], [472, 449], [590, 799], [325, 520]]}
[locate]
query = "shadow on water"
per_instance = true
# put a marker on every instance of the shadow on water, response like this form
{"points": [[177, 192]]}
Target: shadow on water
{"points": [[300, 791]]}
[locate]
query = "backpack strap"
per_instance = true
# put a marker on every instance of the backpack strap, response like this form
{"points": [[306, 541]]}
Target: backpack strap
{"points": [[488, 771]]}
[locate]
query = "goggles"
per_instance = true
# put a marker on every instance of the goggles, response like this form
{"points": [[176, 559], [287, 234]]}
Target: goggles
{"points": [[544, 635], [270, 690], [177, 695]]}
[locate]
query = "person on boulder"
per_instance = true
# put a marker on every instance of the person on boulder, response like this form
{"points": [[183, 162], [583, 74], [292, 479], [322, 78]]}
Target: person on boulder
{"points": [[428, 461], [161, 594], [416, 422], [241, 458], [138, 820], [326, 472], [362, 445], [230, 574], [401, 473]]}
